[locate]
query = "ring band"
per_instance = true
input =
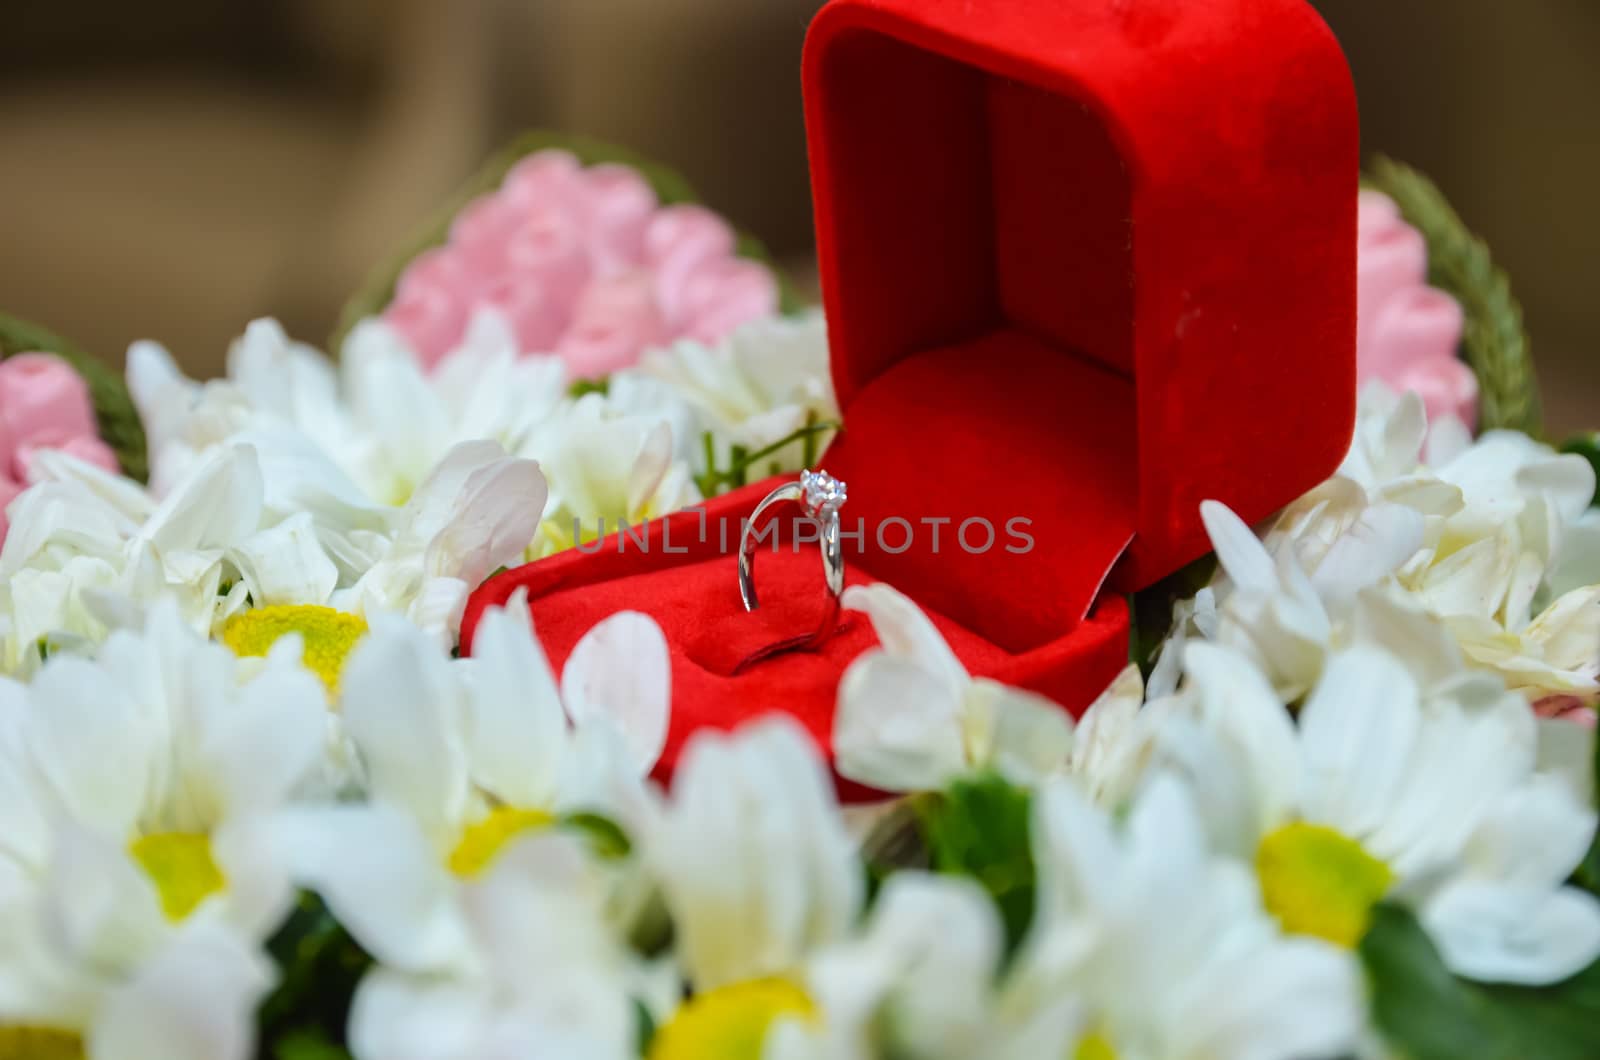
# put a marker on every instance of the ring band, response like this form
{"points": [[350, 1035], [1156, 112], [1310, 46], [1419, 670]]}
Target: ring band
{"points": [[821, 496]]}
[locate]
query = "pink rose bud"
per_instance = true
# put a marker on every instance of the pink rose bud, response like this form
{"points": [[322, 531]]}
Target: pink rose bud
{"points": [[41, 398], [1447, 388], [430, 319], [616, 320], [8, 444], [679, 241], [1407, 333], [721, 295], [434, 270], [621, 204], [1377, 212], [548, 247], [537, 320], [481, 232], [581, 261], [545, 178]]}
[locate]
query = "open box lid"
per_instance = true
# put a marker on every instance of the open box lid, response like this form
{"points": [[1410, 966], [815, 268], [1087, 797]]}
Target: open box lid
{"points": [[1145, 206]]}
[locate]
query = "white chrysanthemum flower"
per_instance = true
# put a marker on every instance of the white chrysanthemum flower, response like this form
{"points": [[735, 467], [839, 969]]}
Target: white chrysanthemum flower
{"points": [[910, 717], [766, 381], [758, 874], [610, 470], [1400, 779], [353, 443], [483, 750], [378, 417], [137, 852], [82, 537], [467, 762], [1165, 945], [471, 514], [87, 551], [1477, 541]]}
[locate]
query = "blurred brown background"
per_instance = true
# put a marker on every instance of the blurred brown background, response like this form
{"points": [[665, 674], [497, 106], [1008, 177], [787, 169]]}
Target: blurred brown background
{"points": [[173, 168]]}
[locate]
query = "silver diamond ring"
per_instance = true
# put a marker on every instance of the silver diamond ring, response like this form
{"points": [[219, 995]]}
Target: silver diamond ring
{"points": [[820, 496]]}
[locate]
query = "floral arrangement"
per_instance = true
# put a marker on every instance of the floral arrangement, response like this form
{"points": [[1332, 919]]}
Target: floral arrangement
{"points": [[1340, 804]]}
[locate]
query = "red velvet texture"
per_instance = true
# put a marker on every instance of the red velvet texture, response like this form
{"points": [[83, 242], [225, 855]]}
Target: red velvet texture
{"points": [[1167, 188], [688, 586], [1085, 264]]}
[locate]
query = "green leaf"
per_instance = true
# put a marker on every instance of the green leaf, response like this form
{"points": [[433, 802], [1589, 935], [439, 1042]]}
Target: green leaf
{"points": [[319, 966], [979, 827], [1588, 874], [1152, 609], [741, 460], [1495, 343], [118, 420], [580, 387], [308, 1045], [377, 291], [604, 836], [1426, 1013], [644, 1027], [1588, 447]]}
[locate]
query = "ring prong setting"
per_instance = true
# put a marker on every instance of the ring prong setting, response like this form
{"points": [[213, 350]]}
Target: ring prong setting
{"points": [[823, 494]]}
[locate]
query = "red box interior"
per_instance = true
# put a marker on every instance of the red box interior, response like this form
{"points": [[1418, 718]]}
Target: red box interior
{"points": [[1085, 264]]}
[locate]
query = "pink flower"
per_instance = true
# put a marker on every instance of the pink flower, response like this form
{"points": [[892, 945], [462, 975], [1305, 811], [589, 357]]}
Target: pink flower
{"points": [[585, 263], [1407, 332], [44, 404]]}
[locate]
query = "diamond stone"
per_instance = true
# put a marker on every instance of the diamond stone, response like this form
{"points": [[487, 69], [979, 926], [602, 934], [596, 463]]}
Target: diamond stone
{"points": [[824, 494]]}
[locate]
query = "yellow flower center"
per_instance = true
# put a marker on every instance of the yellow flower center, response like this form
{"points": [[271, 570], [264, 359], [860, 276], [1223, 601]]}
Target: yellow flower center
{"points": [[482, 841], [729, 1023], [1095, 1046], [327, 635], [39, 1043], [181, 867], [1318, 882]]}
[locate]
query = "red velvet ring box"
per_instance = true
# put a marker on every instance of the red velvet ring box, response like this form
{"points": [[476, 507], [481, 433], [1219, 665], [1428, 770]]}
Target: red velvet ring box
{"points": [[1086, 263]]}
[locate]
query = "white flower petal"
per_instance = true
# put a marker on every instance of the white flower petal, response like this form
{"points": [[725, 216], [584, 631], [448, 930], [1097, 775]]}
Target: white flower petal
{"points": [[755, 862], [1357, 732], [285, 564], [923, 967], [93, 748], [1505, 933], [1380, 540], [258, 747], [1234, 700], [1534, 835], [1032, 736], [905, 631], [195, 1000], [396, 1016], [516, 733], [1072, 846], [397, 697], [217, 504], [493, 519], [382, 880], [897, 726], [620, 674], [1238, 549]]}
